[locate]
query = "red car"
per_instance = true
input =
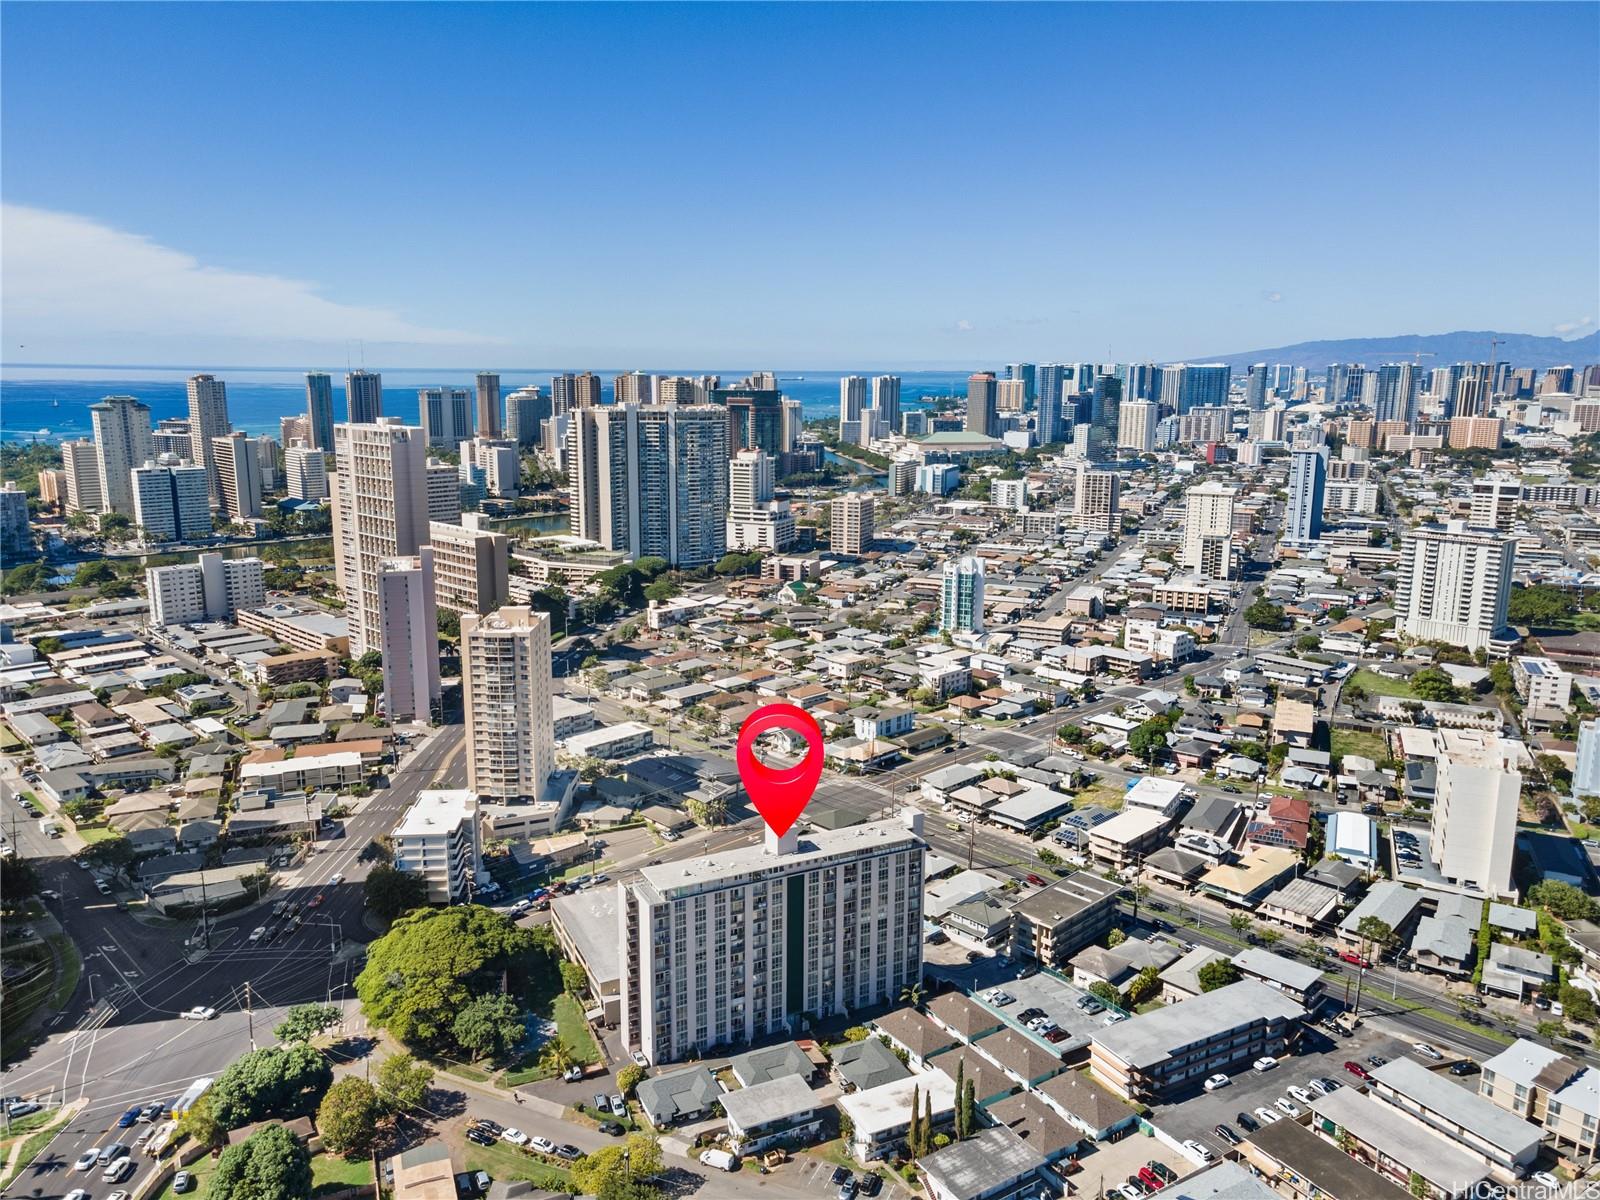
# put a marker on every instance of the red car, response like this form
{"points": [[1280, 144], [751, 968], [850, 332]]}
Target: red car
{"points": [[315, 900], [1037, 881], [1358, 1070], [1354, 959], [1150, 1179]]}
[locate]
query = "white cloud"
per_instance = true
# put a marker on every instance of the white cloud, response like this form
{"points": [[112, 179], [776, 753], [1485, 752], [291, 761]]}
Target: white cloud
{"points": [[66, 276], [1272, 297], [964, 326], [1567, 327]]}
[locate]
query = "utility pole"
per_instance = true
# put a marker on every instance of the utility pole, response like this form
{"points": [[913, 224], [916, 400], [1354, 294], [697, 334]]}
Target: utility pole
{"points": [[249, 1013], [205, 918]]}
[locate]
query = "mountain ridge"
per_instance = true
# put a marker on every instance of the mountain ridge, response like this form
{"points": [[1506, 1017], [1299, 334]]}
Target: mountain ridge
{"points": [[1519, 349]]}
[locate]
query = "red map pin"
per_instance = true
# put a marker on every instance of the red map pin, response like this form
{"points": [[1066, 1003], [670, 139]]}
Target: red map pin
{"points": [[780, 794]]}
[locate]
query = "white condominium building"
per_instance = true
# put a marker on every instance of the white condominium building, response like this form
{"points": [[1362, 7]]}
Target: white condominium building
{"points": [[1474, 830], [208, 419], [1097, 500], [1208, 531], [408, 636], [1544, 688], [851, 524], [80, 470], [437, 838], [961, 595], [380, 511], [123, 440], [735, 946], [170, 501], [1136, 425], [1454, 584], [211, 589], [505, 673], [470, 565], [307, 472], [444, 491], [497, 459], [651, 480], [755, 520]]}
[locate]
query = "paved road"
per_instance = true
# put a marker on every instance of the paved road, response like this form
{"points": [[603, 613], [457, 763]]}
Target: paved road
{"points": [[121, 1040]]}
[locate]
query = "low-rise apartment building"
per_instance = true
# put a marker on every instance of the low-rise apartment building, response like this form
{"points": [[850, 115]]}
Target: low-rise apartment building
{"points": [[1052, 925], [1168, 1049]]}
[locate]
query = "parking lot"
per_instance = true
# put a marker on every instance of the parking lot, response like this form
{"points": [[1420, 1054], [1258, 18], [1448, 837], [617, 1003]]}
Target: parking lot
{"points": [[1197, 1115], [1108, 1164], [815, 1175], [1059, 1000]]}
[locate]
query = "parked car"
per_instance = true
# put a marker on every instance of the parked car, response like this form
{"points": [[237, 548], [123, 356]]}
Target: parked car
{"points": [[1354, 959], [569, 1152], [640, 1059], [1265, 1063], [1137, 1186], [1546, 1180], [200, 1012], [1216, 1082], [492, 1128], [1376, 1060], [1266, 1116], [572, 1074], [1300, 1094], [1427, 1051], [1228, 1135], [542, 1144], [612, 1129], [515, 1136], [1199, 1151], [1246, 1122], [481, 1137], [182, 1181], [1464, 1067], [1287, 1106], [601, 1104], [1323, 1086], [1150, 1179], [1161, 1171], [1358, 1070]]}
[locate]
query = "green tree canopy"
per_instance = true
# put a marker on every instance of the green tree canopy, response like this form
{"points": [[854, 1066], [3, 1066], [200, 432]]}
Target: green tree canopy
{"points": [[604, 1171], [422, 973], [306, 1021], [1541, 606], [1219, 973], [488, 1026], [1435, 686], [277, 1081], [390, 892], [268, 1165], [1264, 614], [403, 1082], [348, 1116], [1562, 900], [200, 1124]]}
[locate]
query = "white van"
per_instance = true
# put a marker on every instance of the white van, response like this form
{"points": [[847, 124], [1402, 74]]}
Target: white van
{"points": [[117, 1170], [720, 1159], [51, 829]]}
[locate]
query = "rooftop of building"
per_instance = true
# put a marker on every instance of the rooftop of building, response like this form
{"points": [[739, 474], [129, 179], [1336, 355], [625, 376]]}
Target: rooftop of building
{"points": [[1148, 1039], [750, 863], [435, 812]]}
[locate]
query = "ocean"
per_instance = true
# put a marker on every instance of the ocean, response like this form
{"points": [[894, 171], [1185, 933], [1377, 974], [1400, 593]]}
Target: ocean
{"points": [[52, 403]]}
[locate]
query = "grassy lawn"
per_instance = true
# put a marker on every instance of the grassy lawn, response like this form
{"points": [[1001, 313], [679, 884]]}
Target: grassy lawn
{"points": [[835, 1153], [461, 1069], [330, 1173], [1105, 795], [1356, 741], [97, 833], [200, 1170], [573, 1030], [1376, 685], [507, 1162]]}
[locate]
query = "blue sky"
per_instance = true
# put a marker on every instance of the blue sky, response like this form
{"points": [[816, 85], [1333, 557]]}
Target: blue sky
{"points": [[896, 185]]}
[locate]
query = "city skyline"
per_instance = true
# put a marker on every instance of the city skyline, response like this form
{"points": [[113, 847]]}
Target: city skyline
{"points": [[240, 266]]}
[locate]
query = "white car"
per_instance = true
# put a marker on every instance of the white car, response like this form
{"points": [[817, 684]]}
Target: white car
{"points": [[256, 934], [1546, 1180], [1265, 1063], [543, 1145], [86, 1160], [640, 1059], [1217, 1081], [1287, 1106], [337, 879], [1199, 1151], [1266, 1116], [1300, 1094], [515, 1136], [998, 997], [200, 1012], [77, 1194]]}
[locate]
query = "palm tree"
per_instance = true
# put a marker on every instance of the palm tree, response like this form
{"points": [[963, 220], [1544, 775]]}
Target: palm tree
{"points": [[1141, 893], [914, 993], [556, 1058]]}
